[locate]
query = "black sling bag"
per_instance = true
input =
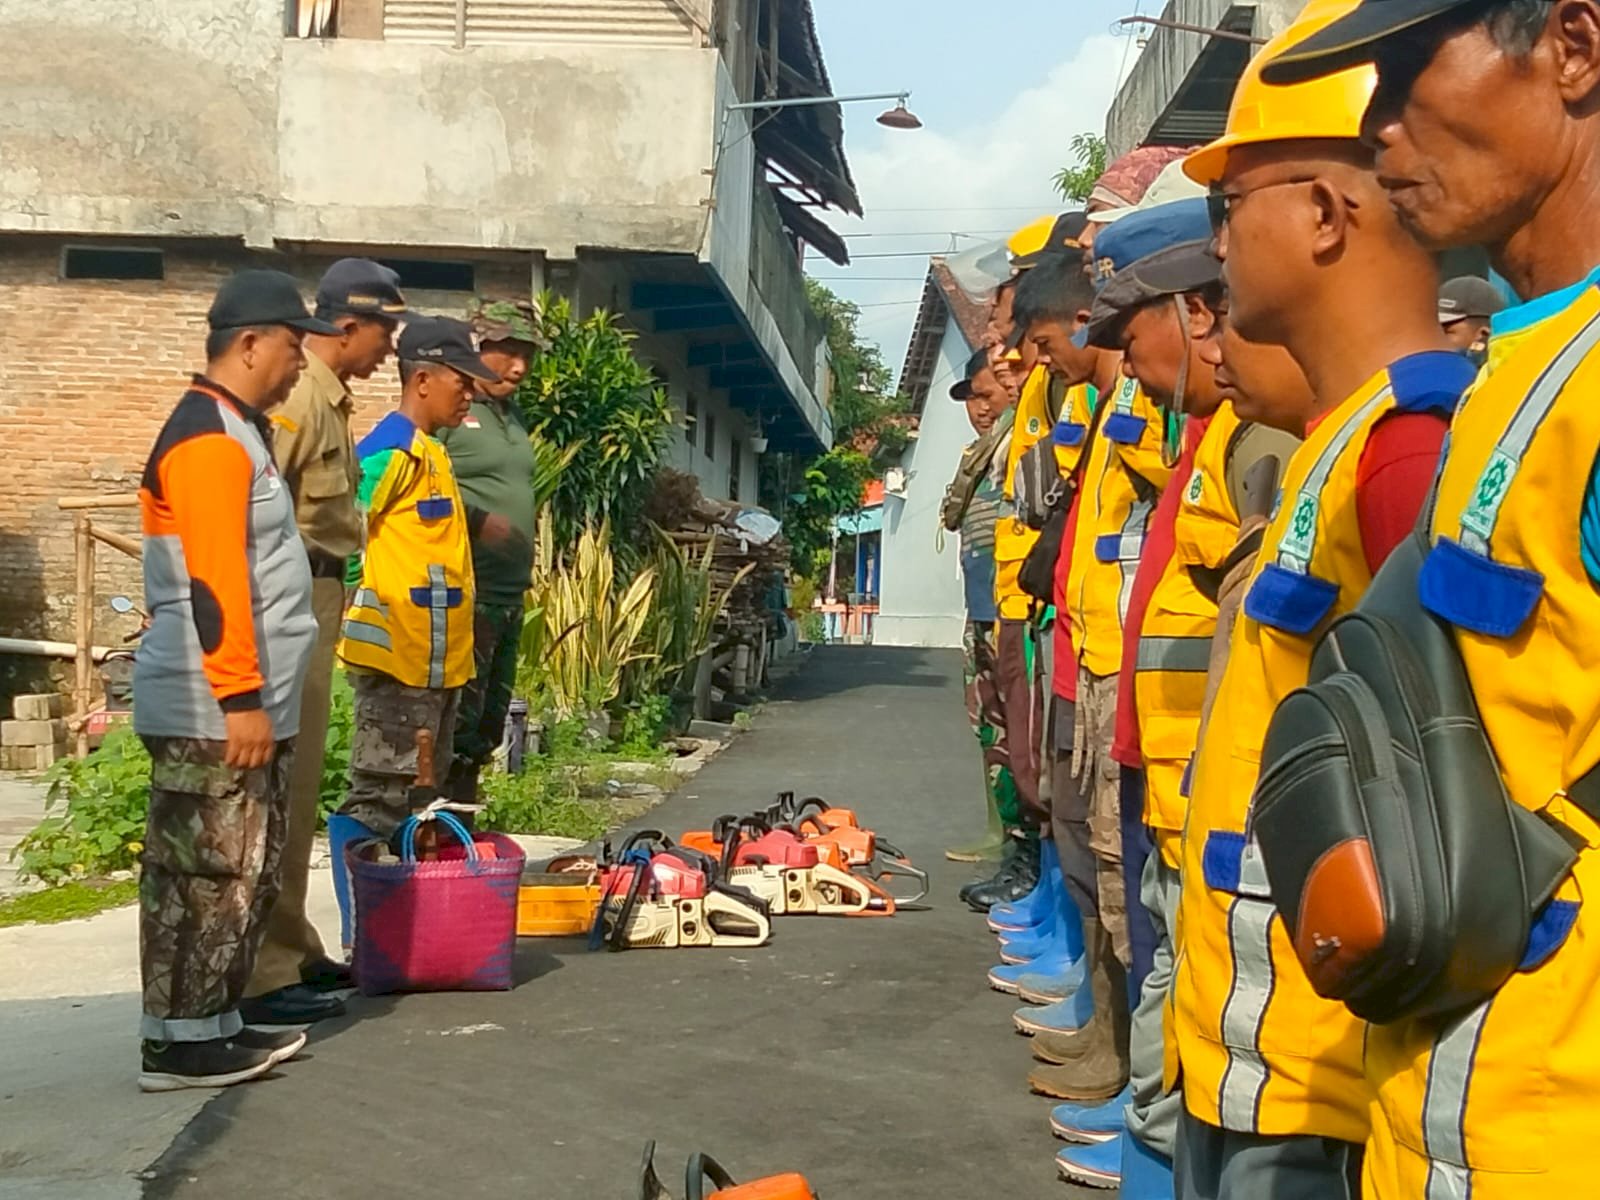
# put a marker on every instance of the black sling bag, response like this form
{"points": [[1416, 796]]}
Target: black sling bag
{"points": [[1407, 877]]}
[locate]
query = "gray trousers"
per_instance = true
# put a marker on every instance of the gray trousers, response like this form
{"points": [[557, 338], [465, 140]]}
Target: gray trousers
{"points": [[1154, 1112], [1217, 1164]]}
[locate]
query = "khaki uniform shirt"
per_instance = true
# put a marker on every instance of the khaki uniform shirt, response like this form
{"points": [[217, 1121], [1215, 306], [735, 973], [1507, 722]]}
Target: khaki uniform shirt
{"points": [[317, 458]]}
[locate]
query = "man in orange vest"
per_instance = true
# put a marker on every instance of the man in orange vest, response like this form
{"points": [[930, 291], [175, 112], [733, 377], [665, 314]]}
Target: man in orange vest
{"points": [[1486, 123]]}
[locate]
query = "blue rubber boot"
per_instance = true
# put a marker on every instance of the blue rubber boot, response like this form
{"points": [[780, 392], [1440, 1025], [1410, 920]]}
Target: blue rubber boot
{"points": [[1027, 947], [1036, 907], [1096, 1166], [1091, 1123], [1146, 1175], [342, 831], [1067, 1015]]}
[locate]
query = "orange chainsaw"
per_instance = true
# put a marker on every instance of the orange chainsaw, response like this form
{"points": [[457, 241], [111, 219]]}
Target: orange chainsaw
{"points": [[863, 851], [655, 894], [793, 874], [703, 1169]]}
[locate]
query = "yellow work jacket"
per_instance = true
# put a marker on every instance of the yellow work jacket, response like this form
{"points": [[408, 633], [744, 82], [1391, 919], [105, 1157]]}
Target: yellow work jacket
{"points": [[411, 617], [1122, 480], [1260, 1051], [1501, 1102], [1175, 638], [1012, 538]]}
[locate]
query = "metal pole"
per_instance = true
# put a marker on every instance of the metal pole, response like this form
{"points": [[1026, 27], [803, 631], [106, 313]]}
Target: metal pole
{"points": [[801, 101], [1228, 35], [461, 24]]}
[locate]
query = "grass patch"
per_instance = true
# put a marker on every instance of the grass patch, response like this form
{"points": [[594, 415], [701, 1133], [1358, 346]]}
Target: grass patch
{"points": [[68, 902]]}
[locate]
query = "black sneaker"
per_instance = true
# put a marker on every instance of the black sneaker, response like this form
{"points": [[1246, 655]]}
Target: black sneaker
{"points": [[281, 1044], [296, 1004], [172, 1066], [327, 975]]}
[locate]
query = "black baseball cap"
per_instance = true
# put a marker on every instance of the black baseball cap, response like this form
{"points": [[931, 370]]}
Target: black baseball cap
{"points": [[362, 288], [258, 297], [1354, 37], [962, 388], [1468, 296], [1063, 239], [446, 341]]}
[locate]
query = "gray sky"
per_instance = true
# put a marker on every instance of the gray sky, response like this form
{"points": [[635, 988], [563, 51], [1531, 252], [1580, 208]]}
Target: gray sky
{"points": [[1000, 88]]}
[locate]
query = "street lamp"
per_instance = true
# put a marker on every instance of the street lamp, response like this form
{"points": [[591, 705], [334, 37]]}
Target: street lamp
{"points": [[898, 117]]}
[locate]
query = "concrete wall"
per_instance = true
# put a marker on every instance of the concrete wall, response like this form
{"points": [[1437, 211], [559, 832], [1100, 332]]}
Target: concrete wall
{"points": [[920, 603], [199, 118], [89, 370], [140, 116], [1168, 56], [515, 146]]}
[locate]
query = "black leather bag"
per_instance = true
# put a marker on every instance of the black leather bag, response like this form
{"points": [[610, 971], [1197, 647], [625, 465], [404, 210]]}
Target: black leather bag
{"points": [[1407, 878]]}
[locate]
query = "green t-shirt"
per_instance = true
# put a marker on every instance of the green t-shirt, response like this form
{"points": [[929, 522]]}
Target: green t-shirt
{"points": [[493, 461]]}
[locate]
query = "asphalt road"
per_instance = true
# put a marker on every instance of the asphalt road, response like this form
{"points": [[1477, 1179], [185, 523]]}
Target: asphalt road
{"points": [[867, 1054]]}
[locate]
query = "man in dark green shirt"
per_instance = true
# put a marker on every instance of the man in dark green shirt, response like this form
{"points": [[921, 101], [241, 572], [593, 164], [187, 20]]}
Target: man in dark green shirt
{"points": [[493, 462]]}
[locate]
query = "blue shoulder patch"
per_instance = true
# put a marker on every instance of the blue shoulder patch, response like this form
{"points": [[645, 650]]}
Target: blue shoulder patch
{"points": [[1431, 381], [394, 432]]}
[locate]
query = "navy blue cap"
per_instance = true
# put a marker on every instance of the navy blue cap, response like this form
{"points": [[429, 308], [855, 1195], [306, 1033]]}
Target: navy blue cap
{"points": [[1141, 234], [1161, 251], [361, 287]]}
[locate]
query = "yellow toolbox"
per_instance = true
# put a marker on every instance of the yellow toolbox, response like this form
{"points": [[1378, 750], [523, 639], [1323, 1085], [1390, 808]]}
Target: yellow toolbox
{"points": [[556, 905]]}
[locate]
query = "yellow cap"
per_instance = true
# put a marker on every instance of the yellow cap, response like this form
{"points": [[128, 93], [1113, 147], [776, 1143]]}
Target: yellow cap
{"points": [[1032, 237], [1330, 107]]}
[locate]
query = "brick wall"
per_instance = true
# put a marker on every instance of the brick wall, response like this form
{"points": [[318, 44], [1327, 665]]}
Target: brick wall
{"points": [[89, 370]]}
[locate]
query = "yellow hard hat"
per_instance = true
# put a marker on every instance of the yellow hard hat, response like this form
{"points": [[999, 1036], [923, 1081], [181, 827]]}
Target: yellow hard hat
{"points": [[1031, 238], [1330, 107]]}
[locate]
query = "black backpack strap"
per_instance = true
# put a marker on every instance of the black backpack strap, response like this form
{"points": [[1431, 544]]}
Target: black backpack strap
{"points": [[1585, 793], [1208, 580]]}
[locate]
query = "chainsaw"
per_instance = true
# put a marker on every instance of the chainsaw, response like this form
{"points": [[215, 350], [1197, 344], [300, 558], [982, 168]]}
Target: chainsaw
{"points": [[657, 894], [703, 1168], [787, 871], [863, 851]]}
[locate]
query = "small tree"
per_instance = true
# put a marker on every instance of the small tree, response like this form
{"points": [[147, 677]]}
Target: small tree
{"points": [[1089, 153], [870, 431], [588, 395]]}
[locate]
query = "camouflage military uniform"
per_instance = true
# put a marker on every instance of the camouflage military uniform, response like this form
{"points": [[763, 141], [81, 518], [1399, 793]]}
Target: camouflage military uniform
{"points": [[383, 746], [486, 697], [213, 841], [494, 466], [986, 715]]}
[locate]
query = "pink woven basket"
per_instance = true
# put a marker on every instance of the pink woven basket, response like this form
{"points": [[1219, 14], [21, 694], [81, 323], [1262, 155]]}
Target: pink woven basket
{"points": [[444, 926]]}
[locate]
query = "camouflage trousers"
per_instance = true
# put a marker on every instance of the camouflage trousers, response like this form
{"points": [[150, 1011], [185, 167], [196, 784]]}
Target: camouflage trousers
{"points": [[1099, 777], [481, 714], [212, 849], [987, 715], [383, 746]]}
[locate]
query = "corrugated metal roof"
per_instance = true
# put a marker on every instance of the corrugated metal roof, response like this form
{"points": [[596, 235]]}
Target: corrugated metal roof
{"points": [[488, 22], [942, 298]]}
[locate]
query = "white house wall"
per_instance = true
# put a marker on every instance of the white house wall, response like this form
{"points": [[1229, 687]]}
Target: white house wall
{"points": [[921, 600]]}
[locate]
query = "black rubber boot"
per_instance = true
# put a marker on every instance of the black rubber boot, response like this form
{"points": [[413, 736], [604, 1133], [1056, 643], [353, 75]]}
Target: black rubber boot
{"points": [[1015, 879]]}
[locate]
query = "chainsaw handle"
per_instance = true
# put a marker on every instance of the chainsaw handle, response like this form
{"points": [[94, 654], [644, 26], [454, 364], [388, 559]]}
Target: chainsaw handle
{"points": [[656, 836], [702, 1167], [807, 805]]}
